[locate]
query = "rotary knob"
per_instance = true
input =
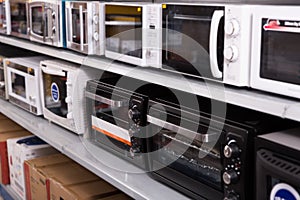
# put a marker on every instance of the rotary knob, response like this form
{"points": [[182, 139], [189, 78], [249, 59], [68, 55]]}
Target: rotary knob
{"points": [[231, 150], [231, 196], [134, 114], [231, 53], [68, 99], [95, 19], [230, 177], [70, 115], [232, 27], [96, 36]]}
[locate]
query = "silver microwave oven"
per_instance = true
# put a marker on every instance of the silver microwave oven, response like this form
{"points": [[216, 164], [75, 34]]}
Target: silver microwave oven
{"points": [[132, 33], [85, 26], [207, 40], [46, 22], [275, 64]]}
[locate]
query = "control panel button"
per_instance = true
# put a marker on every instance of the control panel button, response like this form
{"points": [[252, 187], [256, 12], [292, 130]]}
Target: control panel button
{"points": [[95, 19], [231, 53], [231, 150], [230, 177], [68, 99], [232, 27], [53, 15], [70, 115], [96, 36]]}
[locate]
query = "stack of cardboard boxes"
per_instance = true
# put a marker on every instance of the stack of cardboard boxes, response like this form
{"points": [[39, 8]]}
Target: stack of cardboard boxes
{"points": [[36, 170]]}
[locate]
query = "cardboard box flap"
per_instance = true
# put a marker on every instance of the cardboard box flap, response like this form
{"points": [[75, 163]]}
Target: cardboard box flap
{"points": [[7, 125], [1, 115], [7, 135], [93, 190], [46, 161], [70, 173]]}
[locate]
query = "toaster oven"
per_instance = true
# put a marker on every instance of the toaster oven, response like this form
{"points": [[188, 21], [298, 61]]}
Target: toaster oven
{"points": [[85, 26], [23, 82]]}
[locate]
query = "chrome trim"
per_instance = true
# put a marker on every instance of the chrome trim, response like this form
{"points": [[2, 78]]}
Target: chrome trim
{"points": [[112, 103]]}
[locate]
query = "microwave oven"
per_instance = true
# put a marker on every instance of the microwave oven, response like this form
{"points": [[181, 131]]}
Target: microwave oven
{"points": [[5, 27], [210, 41], [203, 155], [278, 166], [275, 46], [85, 26], [23, 82], [132, 33], [62, 93], [3, 83], [46, 22], [19, 18]]}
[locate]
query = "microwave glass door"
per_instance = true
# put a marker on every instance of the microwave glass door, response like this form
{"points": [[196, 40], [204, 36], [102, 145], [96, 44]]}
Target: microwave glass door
{"points": [[181, 149], [79, 24], [18, 84], [187, 34], [55, 93], [38, 26], [280, 47], [18, 18], [123, 26]]}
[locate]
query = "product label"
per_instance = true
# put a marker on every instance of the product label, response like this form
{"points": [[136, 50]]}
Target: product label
{"points": [[54, 92], [284, 191]]}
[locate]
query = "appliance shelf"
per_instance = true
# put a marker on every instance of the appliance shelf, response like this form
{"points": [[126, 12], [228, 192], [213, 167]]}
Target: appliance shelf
{"points": [[284, 107], [132, 180]]}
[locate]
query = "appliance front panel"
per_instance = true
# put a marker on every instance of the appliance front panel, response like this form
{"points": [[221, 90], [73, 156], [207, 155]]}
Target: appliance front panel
{"points": [[19, 20]]}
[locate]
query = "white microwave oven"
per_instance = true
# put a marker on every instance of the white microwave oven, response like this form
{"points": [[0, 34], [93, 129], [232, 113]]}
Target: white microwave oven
{"points": [[23, 76], [85, 26], [62, 91], [275, 64], [46, 22], [132, 33], [207, 40]]}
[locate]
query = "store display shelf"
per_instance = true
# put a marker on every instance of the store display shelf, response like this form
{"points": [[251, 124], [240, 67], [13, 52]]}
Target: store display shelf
{"points": [[265, 102], [127, 177]]}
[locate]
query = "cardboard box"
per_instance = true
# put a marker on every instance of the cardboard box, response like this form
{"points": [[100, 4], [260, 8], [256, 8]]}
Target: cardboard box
{"points": [[18, 152], [120, 196], [8, 129], [81, 191], [36, 179], [4, 169]]}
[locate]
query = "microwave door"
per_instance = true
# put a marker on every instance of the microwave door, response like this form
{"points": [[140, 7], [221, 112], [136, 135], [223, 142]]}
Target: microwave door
{"points": [[201, 32], [77, 19], [123, 32], [55, 91], [18, 11], [4, 18], [37, 21], [17, 86]]}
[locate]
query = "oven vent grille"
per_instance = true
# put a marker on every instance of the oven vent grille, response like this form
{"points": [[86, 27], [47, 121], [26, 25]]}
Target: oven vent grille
{"points": [[280, 163]]}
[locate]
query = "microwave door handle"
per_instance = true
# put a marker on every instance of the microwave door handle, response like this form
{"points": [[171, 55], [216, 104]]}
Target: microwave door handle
{"points": [[205, 138], [112, 103], [81, 26], [213, 40], [53, 72], [69, 24]]}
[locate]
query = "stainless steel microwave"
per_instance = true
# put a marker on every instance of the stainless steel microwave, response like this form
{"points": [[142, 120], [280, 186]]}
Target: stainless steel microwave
{"points": [[46, 22]]}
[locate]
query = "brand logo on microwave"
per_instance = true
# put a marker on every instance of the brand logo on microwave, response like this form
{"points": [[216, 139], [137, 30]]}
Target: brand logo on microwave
{"points": [[54, 92], [281, 25], [284, 191]]}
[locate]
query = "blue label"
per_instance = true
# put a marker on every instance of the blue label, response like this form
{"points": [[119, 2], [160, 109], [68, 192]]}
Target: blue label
{"points": [[54, 92], [284, 194]]}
